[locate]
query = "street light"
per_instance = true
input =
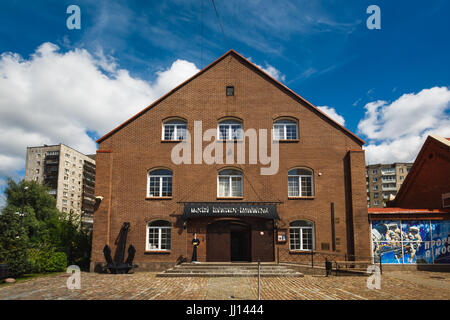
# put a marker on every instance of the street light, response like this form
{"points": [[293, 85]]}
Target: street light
{"points": [[22, 213]]}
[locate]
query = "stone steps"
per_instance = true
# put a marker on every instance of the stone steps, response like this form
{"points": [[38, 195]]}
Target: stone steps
{"points": [[229, 270]]}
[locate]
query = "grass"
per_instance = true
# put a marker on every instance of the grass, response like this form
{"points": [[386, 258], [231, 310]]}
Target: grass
{"points": [[29, 276]]}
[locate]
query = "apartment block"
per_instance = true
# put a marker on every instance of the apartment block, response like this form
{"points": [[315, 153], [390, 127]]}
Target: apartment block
{"points": [[69, 174], [383, 182]]}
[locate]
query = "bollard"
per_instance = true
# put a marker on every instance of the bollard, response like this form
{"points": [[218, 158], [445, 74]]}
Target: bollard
{"points": [[259, 280]]}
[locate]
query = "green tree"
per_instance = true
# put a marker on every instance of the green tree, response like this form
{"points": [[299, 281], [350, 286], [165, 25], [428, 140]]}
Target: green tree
{"points": [[30, 222]]}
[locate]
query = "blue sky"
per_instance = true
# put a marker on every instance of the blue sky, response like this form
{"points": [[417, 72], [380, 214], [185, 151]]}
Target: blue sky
{"points": [[320, 49]]}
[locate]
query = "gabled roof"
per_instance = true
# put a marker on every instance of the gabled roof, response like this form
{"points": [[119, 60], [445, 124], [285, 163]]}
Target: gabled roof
{"points": [[254, 68], [415, 169]]}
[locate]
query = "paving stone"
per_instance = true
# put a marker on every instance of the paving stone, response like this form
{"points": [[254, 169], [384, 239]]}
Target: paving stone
{"points": [[146, 286]]}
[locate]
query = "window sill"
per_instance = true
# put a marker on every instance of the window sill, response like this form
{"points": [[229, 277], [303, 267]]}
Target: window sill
{"points": [[229, 141], [300, 198], [172, 141], [230, 198], [158, 198], [157, 251], [287, 141], [299, 251]]}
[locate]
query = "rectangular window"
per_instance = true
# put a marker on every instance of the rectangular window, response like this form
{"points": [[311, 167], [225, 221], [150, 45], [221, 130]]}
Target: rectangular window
{"points": [[230, 91], [230, 132], [300, 186], [159, 238], [301, 238], [175, 132], [230, 186], [285, 131], [160, 186]]}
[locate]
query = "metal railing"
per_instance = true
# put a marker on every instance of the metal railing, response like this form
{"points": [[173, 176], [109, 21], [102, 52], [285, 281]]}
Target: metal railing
{"points": [[320, 259]]}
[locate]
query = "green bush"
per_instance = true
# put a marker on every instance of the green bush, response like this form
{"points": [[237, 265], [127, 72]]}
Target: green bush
{"points": [[47, 260], [57, 262], [17, 262]]}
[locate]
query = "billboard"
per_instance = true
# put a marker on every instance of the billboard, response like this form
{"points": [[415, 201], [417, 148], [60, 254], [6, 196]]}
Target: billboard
{"points": [[411, 242]]}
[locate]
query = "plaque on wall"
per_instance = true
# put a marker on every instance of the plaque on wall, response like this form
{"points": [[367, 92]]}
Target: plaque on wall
{"points": [[281, 235]]}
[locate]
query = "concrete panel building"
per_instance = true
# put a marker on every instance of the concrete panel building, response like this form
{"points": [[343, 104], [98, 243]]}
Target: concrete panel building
{"points": [[69, 174], [383, 182]]}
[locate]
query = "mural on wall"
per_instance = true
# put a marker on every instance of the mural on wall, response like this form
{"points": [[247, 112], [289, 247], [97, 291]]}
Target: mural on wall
{"points": [[411, 242], [441, 241]]}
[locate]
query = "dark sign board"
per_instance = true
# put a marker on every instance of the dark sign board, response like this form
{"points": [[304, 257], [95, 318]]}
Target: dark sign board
{"points": [[229, 209]]}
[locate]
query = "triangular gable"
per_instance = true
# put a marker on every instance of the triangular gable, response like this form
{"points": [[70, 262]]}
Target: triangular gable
{"points": [[254, 68], [414, 172]]}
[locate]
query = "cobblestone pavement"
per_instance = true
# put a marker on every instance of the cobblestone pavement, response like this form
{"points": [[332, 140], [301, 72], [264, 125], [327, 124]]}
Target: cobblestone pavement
{"points": [[144, 285]]}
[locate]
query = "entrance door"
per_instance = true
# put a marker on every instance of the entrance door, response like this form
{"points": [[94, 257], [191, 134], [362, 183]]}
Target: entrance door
{"points": [[218, 242], [228, 241], [240, 242]]}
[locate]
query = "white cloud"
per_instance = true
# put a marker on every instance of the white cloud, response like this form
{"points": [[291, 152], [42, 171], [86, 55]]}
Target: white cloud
{"points": [[331, 112], [270, 70], [54, 97], [273, 72], [397, 130]]}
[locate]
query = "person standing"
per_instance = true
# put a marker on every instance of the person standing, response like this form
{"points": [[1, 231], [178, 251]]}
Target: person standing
{"points": [[195, 243]]}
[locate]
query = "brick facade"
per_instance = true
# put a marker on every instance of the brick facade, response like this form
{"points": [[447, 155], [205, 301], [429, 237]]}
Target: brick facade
{"points": [[127, 154]]}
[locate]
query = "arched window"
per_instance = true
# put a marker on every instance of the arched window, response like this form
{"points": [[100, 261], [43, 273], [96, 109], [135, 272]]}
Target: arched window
{"points": [[229, 130], [285, 129], [300, 183], [229, 183], [301, 235], [174, 130], [159, 235], [160, 183]]}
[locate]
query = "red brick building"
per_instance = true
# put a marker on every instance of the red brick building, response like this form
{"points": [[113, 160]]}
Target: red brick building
{"points": [[316, 200], [415, 227]]}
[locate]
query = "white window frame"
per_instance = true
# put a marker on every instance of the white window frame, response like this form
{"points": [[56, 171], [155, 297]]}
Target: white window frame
{"points": [[159, 228], [230, 181], [285, 123], [229, 126], [300, 182], [160, 184], [301, 237], [177, 124]]}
